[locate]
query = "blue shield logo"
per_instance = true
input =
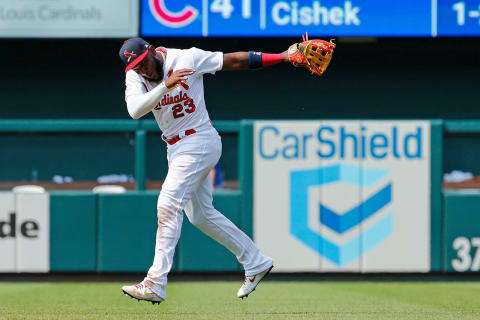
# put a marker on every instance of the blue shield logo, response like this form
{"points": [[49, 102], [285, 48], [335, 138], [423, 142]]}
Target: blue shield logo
{"points": [[340, 222]]}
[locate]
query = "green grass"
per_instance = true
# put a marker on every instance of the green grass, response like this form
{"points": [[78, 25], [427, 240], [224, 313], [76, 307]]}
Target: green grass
{"points": [[272, 300]]}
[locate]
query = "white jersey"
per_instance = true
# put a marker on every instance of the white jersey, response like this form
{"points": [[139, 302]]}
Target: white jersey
{"points": [[182, 108]]}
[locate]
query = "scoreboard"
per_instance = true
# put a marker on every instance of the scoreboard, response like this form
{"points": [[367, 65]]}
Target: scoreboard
{"points": [[458, 18], [368, 18]]}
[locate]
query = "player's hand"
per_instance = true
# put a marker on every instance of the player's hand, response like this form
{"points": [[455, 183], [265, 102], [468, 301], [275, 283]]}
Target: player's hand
{"points": [[179, 75]]}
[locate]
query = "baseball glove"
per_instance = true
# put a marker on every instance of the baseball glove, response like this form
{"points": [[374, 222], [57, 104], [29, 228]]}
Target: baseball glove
{"points": [[315, 55]]}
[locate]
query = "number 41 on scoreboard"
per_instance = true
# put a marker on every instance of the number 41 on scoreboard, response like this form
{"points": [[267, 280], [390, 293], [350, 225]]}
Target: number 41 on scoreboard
{"points": [[225, 8]]}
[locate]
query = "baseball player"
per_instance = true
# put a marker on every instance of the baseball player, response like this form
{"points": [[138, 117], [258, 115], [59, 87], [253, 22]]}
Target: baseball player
{"points": [[169, 83]]}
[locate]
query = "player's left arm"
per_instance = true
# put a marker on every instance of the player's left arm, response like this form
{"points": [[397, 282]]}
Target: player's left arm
{"points": [[252, 60], [314, 55]]}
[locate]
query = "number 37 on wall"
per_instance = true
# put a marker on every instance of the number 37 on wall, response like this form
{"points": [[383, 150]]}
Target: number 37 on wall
{"points": [[464, 261]]}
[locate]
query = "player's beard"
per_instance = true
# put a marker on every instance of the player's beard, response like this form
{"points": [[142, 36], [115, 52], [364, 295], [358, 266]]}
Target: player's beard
{"points": [[158, 69]]}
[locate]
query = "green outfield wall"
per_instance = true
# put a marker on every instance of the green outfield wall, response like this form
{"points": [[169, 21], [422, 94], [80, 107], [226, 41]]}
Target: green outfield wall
{"points": [[100, 232], [461, 231], [116, 233]]}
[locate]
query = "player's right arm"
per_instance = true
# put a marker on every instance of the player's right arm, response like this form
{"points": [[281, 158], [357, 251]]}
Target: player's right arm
{"points": [[140, 101]]}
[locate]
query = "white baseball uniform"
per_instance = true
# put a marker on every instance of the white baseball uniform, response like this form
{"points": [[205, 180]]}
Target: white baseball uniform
{"points": [[187, 185]]}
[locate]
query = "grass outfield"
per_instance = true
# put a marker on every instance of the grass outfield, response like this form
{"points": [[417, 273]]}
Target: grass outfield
{"points": [[272, 300]]}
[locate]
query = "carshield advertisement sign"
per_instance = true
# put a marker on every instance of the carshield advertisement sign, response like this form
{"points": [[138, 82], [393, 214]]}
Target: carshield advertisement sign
{"points": [[349, 196]]}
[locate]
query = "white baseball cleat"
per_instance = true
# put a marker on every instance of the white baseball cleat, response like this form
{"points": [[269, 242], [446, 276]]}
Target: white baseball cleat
{"points": [[141, 292], [250, 283]]}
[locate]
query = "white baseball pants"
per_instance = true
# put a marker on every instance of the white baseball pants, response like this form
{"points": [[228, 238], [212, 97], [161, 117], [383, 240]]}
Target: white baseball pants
{"points": [[188, 187]]}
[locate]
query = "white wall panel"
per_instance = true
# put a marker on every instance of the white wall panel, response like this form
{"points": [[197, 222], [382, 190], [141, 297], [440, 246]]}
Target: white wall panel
{"points": [[33, 232], [7, 240]]}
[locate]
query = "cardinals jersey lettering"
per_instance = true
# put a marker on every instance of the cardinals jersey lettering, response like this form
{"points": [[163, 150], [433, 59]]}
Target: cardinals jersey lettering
{"points": [[183, 107]]}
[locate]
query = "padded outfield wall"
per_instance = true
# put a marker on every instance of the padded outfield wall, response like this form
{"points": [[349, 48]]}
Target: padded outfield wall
{"points": [[337, 196]]}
